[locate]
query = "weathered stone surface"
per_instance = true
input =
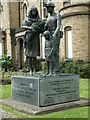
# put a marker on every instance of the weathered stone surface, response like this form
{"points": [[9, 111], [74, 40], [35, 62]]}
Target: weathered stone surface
{"points": [[34, 110], [43, 91], [26, 89], [59, 89]]}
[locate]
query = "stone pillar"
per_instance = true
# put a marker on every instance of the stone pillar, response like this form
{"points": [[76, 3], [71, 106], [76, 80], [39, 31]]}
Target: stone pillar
{"points": [[8, 39], [17, 53], [20, 53]]}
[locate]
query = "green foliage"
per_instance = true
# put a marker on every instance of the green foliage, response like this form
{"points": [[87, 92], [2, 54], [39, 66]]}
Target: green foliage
{"points": [[38, 67], [6, 63], [7, 75], [77, 67], [43, 66], [25, 68]]}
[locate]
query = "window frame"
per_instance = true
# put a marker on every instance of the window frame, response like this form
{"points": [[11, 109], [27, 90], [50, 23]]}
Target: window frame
{"points": [[24, 11], [66, 3], [66, 29]]}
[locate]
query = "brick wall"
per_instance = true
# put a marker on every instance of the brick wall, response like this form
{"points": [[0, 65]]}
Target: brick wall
{"points": [[14, 15]]}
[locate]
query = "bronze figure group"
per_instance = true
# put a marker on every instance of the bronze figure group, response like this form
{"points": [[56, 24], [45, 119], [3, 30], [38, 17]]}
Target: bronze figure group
{"points": [[50, 30]]}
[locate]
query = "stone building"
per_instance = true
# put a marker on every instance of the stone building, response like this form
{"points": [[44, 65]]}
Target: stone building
{"points": [[75, 26], [0, 32], [10, 22]]}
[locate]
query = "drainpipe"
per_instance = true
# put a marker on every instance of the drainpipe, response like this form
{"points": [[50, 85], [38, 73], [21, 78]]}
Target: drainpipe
{"points": [[19, 14]]}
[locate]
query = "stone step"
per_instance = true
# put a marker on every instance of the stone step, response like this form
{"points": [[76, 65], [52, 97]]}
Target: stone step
{"points": [[34, 110]]}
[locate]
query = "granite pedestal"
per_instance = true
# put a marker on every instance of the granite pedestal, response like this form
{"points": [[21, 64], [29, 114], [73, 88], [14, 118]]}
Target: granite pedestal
{"points": [[44, 91]]}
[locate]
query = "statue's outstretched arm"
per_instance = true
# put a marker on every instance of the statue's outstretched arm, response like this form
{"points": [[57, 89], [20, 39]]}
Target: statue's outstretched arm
{"points": [[26, 27]]}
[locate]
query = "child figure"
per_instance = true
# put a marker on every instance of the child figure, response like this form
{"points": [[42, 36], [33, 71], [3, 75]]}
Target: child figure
{"points": [[48, 53]]}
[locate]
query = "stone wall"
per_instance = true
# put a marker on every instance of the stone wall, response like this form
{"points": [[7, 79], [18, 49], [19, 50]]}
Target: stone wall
{"points": [[77, 18], [14, 15], [10, 23]]}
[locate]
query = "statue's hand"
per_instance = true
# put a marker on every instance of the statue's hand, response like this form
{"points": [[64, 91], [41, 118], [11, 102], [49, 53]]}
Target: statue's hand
{"points": [[32, 29], [54, 36]]}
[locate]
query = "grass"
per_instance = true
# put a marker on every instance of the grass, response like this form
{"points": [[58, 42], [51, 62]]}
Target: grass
{"points": [[84, 88], [71, 113], [5, 91], [81, 112]]}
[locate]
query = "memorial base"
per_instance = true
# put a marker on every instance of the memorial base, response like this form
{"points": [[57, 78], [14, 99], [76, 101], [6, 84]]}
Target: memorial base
{"points": [[44, 91]]}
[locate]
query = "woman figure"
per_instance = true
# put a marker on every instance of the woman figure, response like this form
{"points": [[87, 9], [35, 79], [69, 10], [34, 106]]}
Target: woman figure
{"points": [[53, 26], [33, 26]]}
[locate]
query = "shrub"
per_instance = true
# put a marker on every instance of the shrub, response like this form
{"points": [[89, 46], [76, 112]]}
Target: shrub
{"points": [[38, 67], [6, 63], [78, 67]]}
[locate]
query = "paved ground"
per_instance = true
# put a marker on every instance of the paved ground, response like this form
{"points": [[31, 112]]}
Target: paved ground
{"points": [[4, 114]]}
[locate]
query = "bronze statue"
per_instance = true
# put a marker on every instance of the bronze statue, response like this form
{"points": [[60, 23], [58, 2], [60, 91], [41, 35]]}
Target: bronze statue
{"points": [[48, 53], [33, 26], [53, 24]]}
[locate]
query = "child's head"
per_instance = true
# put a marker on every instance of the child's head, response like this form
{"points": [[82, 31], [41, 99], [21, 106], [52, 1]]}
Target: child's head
{"points": [[46, 34]]}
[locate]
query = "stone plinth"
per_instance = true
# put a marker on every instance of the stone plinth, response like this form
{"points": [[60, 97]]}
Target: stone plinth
{"points": [[44, 91]]}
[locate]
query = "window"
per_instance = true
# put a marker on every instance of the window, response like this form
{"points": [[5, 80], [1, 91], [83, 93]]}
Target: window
{"points": [[25, 10], [66, 3], [0, 49], [44, 10], [1, 9], [1, 20], [44, 14], [68, 42], [43, 47]]}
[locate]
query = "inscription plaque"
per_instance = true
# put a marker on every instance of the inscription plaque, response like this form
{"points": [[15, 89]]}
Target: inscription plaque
{"points": [[25, 89], [58, 90], [43, 91]]}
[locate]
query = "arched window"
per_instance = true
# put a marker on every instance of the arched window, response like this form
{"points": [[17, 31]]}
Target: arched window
{"points": [[0, 29], [0, 49], [68, 43], [44, 11], [0, 43], [25, 10], [66, 3]]}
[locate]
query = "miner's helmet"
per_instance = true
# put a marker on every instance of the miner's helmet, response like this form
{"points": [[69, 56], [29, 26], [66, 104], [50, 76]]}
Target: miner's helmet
{"points": [[50, 4]]}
